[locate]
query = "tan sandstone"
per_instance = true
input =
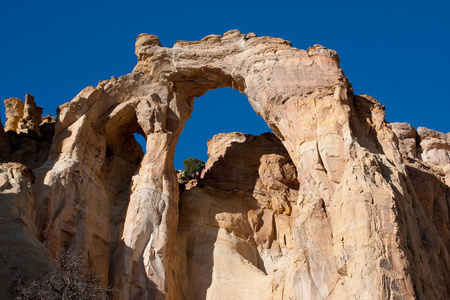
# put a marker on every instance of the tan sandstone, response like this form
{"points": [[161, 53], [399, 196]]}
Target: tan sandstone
{"points": [[23, 117], [327, 208], [22, 257]]}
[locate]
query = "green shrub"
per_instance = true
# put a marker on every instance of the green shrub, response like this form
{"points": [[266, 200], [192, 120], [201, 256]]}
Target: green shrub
{"points": [[193, 166]]}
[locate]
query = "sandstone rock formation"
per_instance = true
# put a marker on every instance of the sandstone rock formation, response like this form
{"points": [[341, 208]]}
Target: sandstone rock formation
{"points": [[23, 117], [22, 256], [28, 136], [235, 226], [327, 208], [427, 160]]}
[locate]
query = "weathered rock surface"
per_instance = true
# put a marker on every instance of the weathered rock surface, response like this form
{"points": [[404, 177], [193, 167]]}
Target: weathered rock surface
{"points": [[28, 136], [23, 117], [22, 257], [235, 226], [326, 209], [427, 159]]}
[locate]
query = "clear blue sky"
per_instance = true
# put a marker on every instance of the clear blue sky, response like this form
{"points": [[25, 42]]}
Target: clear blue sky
{"points": [[395, 51]]}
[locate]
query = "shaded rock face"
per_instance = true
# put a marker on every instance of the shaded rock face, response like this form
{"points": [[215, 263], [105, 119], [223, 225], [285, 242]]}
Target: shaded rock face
{"points": [[427, 160], [329, 207], [235, 225], [28, 136], [4, 145], [22, 257]]}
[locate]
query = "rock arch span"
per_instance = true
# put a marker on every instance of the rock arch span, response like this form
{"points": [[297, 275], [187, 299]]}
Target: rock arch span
{"points": [[355, 234]]}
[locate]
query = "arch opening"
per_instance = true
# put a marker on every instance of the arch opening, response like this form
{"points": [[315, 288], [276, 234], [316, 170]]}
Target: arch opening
{"points": [[140, 139], [221, 110], [232, 211], [125, 147]]}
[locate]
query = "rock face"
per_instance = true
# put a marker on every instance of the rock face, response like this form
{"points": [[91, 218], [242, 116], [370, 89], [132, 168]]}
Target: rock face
{"points": [[4, 145], [327, 208], [22, 256], [28, 136], [23, 117], [427, 159], [235, 226]]}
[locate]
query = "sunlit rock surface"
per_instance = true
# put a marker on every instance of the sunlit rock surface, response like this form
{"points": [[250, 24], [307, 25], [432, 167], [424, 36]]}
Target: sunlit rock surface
{"points": [[334, 205]]}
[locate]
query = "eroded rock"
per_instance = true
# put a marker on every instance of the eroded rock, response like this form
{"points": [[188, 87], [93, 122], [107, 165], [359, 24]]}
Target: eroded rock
{"points": [[28, 136], [333, 213], [23, 258], [235, 226], [23, 117], [428, 168]]}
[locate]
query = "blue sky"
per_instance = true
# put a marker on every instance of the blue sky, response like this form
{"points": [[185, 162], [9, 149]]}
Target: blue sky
{"points": [[395, 51]]}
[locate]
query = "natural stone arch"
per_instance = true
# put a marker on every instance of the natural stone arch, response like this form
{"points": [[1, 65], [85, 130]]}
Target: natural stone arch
{"points": [[222, 110], [275, 77], [305, 99], [159, 95], [267, 71]]}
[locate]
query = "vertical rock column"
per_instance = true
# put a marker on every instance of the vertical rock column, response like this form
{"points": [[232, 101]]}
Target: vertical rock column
{"points": [[150, 222], [146, 267]]}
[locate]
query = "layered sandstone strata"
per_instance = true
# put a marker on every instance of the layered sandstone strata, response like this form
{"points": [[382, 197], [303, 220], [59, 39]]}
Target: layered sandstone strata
{"points": [[326, 208]]}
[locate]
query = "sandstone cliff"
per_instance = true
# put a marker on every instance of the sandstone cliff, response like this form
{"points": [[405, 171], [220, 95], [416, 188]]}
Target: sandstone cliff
{"points": [[334, 205]]}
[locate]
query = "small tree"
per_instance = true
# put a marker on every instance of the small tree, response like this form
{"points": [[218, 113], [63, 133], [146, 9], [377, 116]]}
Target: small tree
{"points": [[192, 167]]}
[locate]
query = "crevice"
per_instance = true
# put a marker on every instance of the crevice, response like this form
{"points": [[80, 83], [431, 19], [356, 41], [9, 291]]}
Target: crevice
{"points": [[320, 159]]}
